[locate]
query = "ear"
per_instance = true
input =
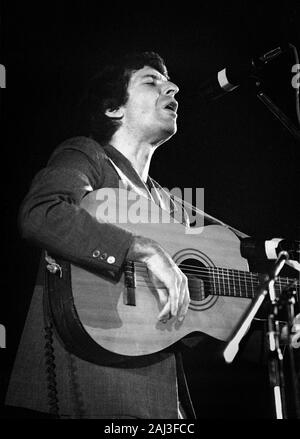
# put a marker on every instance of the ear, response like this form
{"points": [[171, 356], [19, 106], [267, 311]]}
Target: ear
{"points": [[118, 113]]}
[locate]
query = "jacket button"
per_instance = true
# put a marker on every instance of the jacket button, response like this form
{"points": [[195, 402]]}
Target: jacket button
{"points": [[96, 253], [103, 256], [111, 259]]}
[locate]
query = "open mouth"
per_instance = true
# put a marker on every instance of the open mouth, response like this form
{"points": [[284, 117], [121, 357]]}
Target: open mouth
{"points": [[172, 106]]}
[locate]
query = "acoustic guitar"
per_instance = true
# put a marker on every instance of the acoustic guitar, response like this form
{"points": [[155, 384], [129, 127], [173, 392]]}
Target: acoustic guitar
{"points": [[120, 316]]}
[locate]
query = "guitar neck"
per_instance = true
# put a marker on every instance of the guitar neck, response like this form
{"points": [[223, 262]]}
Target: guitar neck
{"points": [[237, 283]]}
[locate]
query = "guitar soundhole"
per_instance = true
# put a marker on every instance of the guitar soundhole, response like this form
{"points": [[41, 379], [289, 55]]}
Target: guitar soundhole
{"points": [[198, 279]]}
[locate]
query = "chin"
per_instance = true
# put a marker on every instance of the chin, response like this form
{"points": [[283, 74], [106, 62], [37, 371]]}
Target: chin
{"points": [[170, 129], [166, 136], [164, 133]]}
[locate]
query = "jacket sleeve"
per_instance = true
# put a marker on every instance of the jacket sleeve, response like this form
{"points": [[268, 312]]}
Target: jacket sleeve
{"points": [[51, 218]]}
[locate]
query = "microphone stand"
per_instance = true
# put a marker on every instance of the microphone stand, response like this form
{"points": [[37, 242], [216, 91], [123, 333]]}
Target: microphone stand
{"points": [[279, 114], [287, 300], [275, 355]]}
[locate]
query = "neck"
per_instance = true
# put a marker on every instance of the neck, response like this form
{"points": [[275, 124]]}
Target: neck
{"points": [[138, 153]]}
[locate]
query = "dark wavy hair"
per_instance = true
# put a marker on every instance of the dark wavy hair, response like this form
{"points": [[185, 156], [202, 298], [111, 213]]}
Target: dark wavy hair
{"points": [[108, 90]]}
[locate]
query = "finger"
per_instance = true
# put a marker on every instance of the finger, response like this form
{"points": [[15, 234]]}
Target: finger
{"points": [[185, 305], [174, 296], [165, 313], [184, 299], [182, 291], [162, 295]]}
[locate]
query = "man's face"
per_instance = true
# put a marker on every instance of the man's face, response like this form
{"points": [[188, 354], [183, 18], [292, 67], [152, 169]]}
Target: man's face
{"points": [[151, 109]]}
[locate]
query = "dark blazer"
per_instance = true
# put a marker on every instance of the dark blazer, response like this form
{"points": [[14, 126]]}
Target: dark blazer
{"points": [[46, 377]]}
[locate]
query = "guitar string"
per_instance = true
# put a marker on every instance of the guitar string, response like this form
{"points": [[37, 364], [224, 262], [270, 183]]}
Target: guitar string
{"points": [[224, 271], [241, 285], [239, 274], [217, 291], [243, 289], [235, 276], [219, 278], [212, 292], [219, 281], [227, 271], [226, 276]]}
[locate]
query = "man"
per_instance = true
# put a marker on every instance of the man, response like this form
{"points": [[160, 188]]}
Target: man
{"points": [[132, 110]]}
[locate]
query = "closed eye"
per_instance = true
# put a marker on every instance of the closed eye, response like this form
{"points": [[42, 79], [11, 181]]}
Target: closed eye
{"points": [[150, 83], [151, 79]]}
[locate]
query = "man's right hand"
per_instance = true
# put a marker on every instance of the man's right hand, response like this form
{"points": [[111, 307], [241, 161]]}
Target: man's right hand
{"points": [[171, 283]]}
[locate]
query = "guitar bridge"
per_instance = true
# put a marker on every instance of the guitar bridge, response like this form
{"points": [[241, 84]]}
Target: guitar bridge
{"points": [[130, 284]]}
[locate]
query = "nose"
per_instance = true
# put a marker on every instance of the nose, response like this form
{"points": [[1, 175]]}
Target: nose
{"points": [[170, 89]]}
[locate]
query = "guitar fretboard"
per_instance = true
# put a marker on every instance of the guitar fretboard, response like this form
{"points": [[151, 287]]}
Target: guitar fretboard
{"points": [[237, 283]]}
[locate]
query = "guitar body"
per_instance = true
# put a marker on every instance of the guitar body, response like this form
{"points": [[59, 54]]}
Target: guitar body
{"points": [[110, 322], [133, 330]]}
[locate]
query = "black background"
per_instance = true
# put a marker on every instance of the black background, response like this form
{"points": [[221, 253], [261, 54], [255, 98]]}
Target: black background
{"points": [[234, 147]]}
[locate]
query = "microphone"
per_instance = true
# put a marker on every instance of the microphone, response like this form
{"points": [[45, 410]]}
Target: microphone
{"points": [[234, 75], [269, 249]]}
